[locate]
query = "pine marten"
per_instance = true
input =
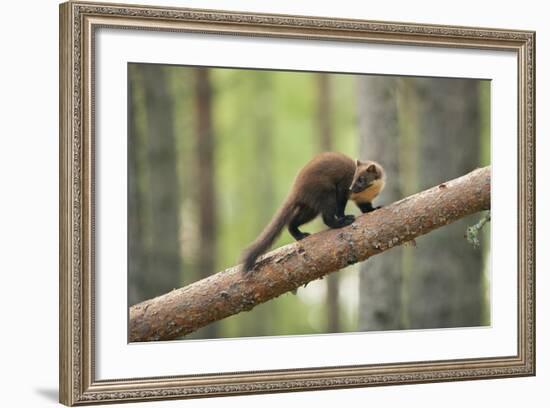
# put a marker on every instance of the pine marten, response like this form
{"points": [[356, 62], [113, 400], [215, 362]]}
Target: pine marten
{"points": [[323, 186]]}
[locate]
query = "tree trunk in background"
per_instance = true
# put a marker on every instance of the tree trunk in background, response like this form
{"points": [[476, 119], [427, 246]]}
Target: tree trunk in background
{"points": [[160, 216], [205, 179], [263, 176], [164, 255], [407, 155], [324, 120], [324, 112], [380, 277], [264, 144], [445, 281], [137, 266]]}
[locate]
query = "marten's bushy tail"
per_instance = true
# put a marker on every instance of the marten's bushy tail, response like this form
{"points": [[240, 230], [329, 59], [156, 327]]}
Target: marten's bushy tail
{"points": [[269, 235]]}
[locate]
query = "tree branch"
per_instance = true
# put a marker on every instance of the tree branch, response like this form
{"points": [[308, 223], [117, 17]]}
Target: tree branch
{"points": [[231, 291]]}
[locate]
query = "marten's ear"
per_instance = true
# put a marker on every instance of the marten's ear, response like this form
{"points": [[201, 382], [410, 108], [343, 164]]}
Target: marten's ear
{"points": [[358, 162], [371, 168]]}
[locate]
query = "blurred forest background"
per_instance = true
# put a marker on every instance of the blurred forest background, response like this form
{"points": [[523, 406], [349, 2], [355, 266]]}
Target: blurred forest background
{"points": [[212, 153]]}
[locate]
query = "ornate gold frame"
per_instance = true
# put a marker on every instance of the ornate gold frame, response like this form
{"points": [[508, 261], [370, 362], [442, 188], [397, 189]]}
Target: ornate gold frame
{"points": [[78, 22]]}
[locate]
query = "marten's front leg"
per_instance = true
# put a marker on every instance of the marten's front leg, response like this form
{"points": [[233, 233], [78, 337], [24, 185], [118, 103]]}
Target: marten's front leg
{"points": [[333, 215], [341, 201], [367, 207]]}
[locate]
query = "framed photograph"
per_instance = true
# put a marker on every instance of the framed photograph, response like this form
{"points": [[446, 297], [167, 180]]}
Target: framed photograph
{"points": [[254, 203]]}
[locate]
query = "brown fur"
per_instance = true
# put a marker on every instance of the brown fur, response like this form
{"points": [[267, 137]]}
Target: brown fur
{"points": [[374, 177], [370, 193], [323, 186]]}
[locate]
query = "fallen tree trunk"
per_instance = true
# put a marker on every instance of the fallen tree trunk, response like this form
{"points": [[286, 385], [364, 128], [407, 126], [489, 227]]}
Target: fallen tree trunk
{"points": [[231, 291]]}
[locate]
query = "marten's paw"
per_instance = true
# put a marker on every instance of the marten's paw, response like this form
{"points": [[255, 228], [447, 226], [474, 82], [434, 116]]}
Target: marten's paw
{"points": [[344, 221], [304, 235], [349, 219]]}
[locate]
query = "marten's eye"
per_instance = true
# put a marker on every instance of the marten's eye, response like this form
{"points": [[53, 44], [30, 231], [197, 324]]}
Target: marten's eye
{"points": [[362, 179]]}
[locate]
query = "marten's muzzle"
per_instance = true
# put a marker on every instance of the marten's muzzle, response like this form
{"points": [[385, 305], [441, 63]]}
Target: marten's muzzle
{"points": [[358, 187]]}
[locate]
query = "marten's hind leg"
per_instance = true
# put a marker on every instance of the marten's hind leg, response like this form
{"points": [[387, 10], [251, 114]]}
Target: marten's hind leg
{"points": [[303, 215]]}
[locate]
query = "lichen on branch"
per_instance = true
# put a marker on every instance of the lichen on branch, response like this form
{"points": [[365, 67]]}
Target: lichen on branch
{"points": [[472, 232]]}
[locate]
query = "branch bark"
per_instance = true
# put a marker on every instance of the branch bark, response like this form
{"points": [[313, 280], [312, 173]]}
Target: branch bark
{"points": [[231, 291]]}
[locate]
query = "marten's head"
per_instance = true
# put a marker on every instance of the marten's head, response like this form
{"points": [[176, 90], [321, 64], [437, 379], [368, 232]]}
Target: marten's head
{"points": [[369, 176]]}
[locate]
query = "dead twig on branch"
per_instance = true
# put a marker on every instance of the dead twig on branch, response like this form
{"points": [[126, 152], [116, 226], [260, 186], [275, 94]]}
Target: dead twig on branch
{"points": [[231, 291]]}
